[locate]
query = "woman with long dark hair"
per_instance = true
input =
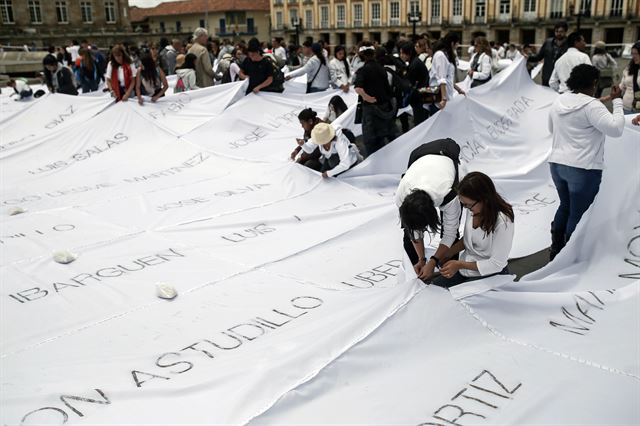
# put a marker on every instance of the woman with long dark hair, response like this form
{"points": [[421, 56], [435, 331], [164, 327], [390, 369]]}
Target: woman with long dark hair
{"points": [[88, 71], [121, 74], [335, 109], [418, 75], [308, 120], [340, 69], [443, 70], [151, 80], [480, 68], [630, 84], [488, 233], [316, 69]]}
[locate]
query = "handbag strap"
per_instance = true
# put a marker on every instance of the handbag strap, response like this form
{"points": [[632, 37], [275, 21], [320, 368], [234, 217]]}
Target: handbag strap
{"points": [[316, 74]]}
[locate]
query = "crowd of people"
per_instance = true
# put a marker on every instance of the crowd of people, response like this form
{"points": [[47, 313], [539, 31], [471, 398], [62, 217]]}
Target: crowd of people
{"points": [[408, 74]]}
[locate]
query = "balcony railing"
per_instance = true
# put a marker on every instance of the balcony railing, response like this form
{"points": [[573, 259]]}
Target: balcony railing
{"points": [[480, 20], [292, 1], [357, 23], [277, 2], [456, 19], [375, 22], [436, 20], [340, 24], [324, 24], [504, 17], [394, 21], [615, 12], [530, 16], [232, 30]]}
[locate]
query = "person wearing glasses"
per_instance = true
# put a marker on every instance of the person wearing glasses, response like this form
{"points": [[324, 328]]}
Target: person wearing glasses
{"points": [[488, 234]]}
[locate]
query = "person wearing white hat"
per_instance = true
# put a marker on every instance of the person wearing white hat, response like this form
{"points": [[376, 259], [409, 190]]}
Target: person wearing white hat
{"points": [[338, 153]]}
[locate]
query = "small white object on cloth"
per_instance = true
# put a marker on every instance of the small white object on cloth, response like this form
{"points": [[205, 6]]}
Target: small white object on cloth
{"points": [[165, 291], [64, 256]]}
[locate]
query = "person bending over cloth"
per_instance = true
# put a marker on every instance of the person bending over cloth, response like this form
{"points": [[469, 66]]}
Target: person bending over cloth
{"points": [[488, 234], [428, 185], [338, 154]]}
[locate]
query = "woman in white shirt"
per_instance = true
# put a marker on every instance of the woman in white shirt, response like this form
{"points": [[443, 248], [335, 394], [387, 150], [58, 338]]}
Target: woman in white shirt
{"points": [[316, 69], [480, 68], [488, 234], [578, 123], [630, 84], [337, 153], [121, 74], [340, 70], [443, 70]]}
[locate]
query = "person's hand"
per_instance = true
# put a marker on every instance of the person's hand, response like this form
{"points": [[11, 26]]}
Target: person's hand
{"points": [[450, 268], [427, 271], [470, 73], [300, 141], [636, 120], [155, 98], [140, 101], [287, 78], [125, 98], [418, 266], [370, 99], [442, 103], [325, 175], [294, 155], [256, 90], [616, 93], [345, 88]]}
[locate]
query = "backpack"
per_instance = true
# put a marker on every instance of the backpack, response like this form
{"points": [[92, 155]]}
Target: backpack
{"points": [[179, 86], [447, 147], [401, 88], [277, 85], [226, 75]]}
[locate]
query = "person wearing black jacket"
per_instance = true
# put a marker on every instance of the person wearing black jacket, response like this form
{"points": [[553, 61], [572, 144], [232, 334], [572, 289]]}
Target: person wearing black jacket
{"points": [[59, 78], [418, 76], [551, 50]]}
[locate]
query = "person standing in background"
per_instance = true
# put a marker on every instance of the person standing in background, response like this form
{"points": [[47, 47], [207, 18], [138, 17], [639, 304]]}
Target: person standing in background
{"points": [[204, 68], [552, 49]]}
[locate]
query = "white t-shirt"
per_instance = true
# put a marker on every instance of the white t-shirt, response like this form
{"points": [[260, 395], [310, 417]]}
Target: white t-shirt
{"points": [[107, 75], [442, 71], [348, 153], [489, 251]]}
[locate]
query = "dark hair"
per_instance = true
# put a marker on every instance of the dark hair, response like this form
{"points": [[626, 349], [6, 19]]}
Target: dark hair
{"points": [[307, 43], [573, 38], [479, 187], [338, 105], [86, 58], [366, 55], [49, 60], [125, 56], [418, 213], [189, 61], [445, 45], [316, 48], [582, 77], [307, 114], [345, 60], [408, 49], [149, 68], [633, 67], [600, 51], [254, 46], [561, 24]]}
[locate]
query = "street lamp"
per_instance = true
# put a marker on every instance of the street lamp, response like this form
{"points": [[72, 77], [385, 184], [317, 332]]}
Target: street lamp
{"points": [[414, 17], [295, 23], [579, 15]]}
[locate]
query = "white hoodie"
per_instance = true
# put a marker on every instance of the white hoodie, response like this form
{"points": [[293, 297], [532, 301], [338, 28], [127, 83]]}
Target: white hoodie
{"points": [[579, 124], [188, 77]]}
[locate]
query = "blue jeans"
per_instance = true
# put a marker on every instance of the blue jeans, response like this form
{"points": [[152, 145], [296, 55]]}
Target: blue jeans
{"points": [[577, 189]]}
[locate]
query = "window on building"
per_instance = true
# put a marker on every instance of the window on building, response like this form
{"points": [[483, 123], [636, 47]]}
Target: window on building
{"points": [[341, 15], [293, 15], [62, 13], [86, 9], [357, 15], [616, 8], [178, 26], [481, 8], [456, 7], [556, 9], [278, 20], [394, 13], [375, 14], [202, 25], [529, 6], [435, 8], [505, 7], [6, 8], [414, 7], [35, 13], [163, 28], [308, 18], [585, 7], [324, 17], [110, 12]]}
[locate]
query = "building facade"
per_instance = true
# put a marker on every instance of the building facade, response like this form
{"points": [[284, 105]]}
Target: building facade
{"points": [[44, 22], [347, 22], [232, 19]]}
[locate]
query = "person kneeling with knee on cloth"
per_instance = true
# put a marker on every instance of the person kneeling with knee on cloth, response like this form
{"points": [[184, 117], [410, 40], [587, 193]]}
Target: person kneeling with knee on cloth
{"points": [[338, 154], [429, 184]]}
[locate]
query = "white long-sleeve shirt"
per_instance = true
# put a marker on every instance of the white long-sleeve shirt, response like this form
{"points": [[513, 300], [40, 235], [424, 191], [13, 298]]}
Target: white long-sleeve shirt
{"points": [[348, 153], [489, 251], [563, 67], [626, 85], [484, 67], [338, 73], [321, 79], [442, 72], [579, 124], [435, 175]]}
